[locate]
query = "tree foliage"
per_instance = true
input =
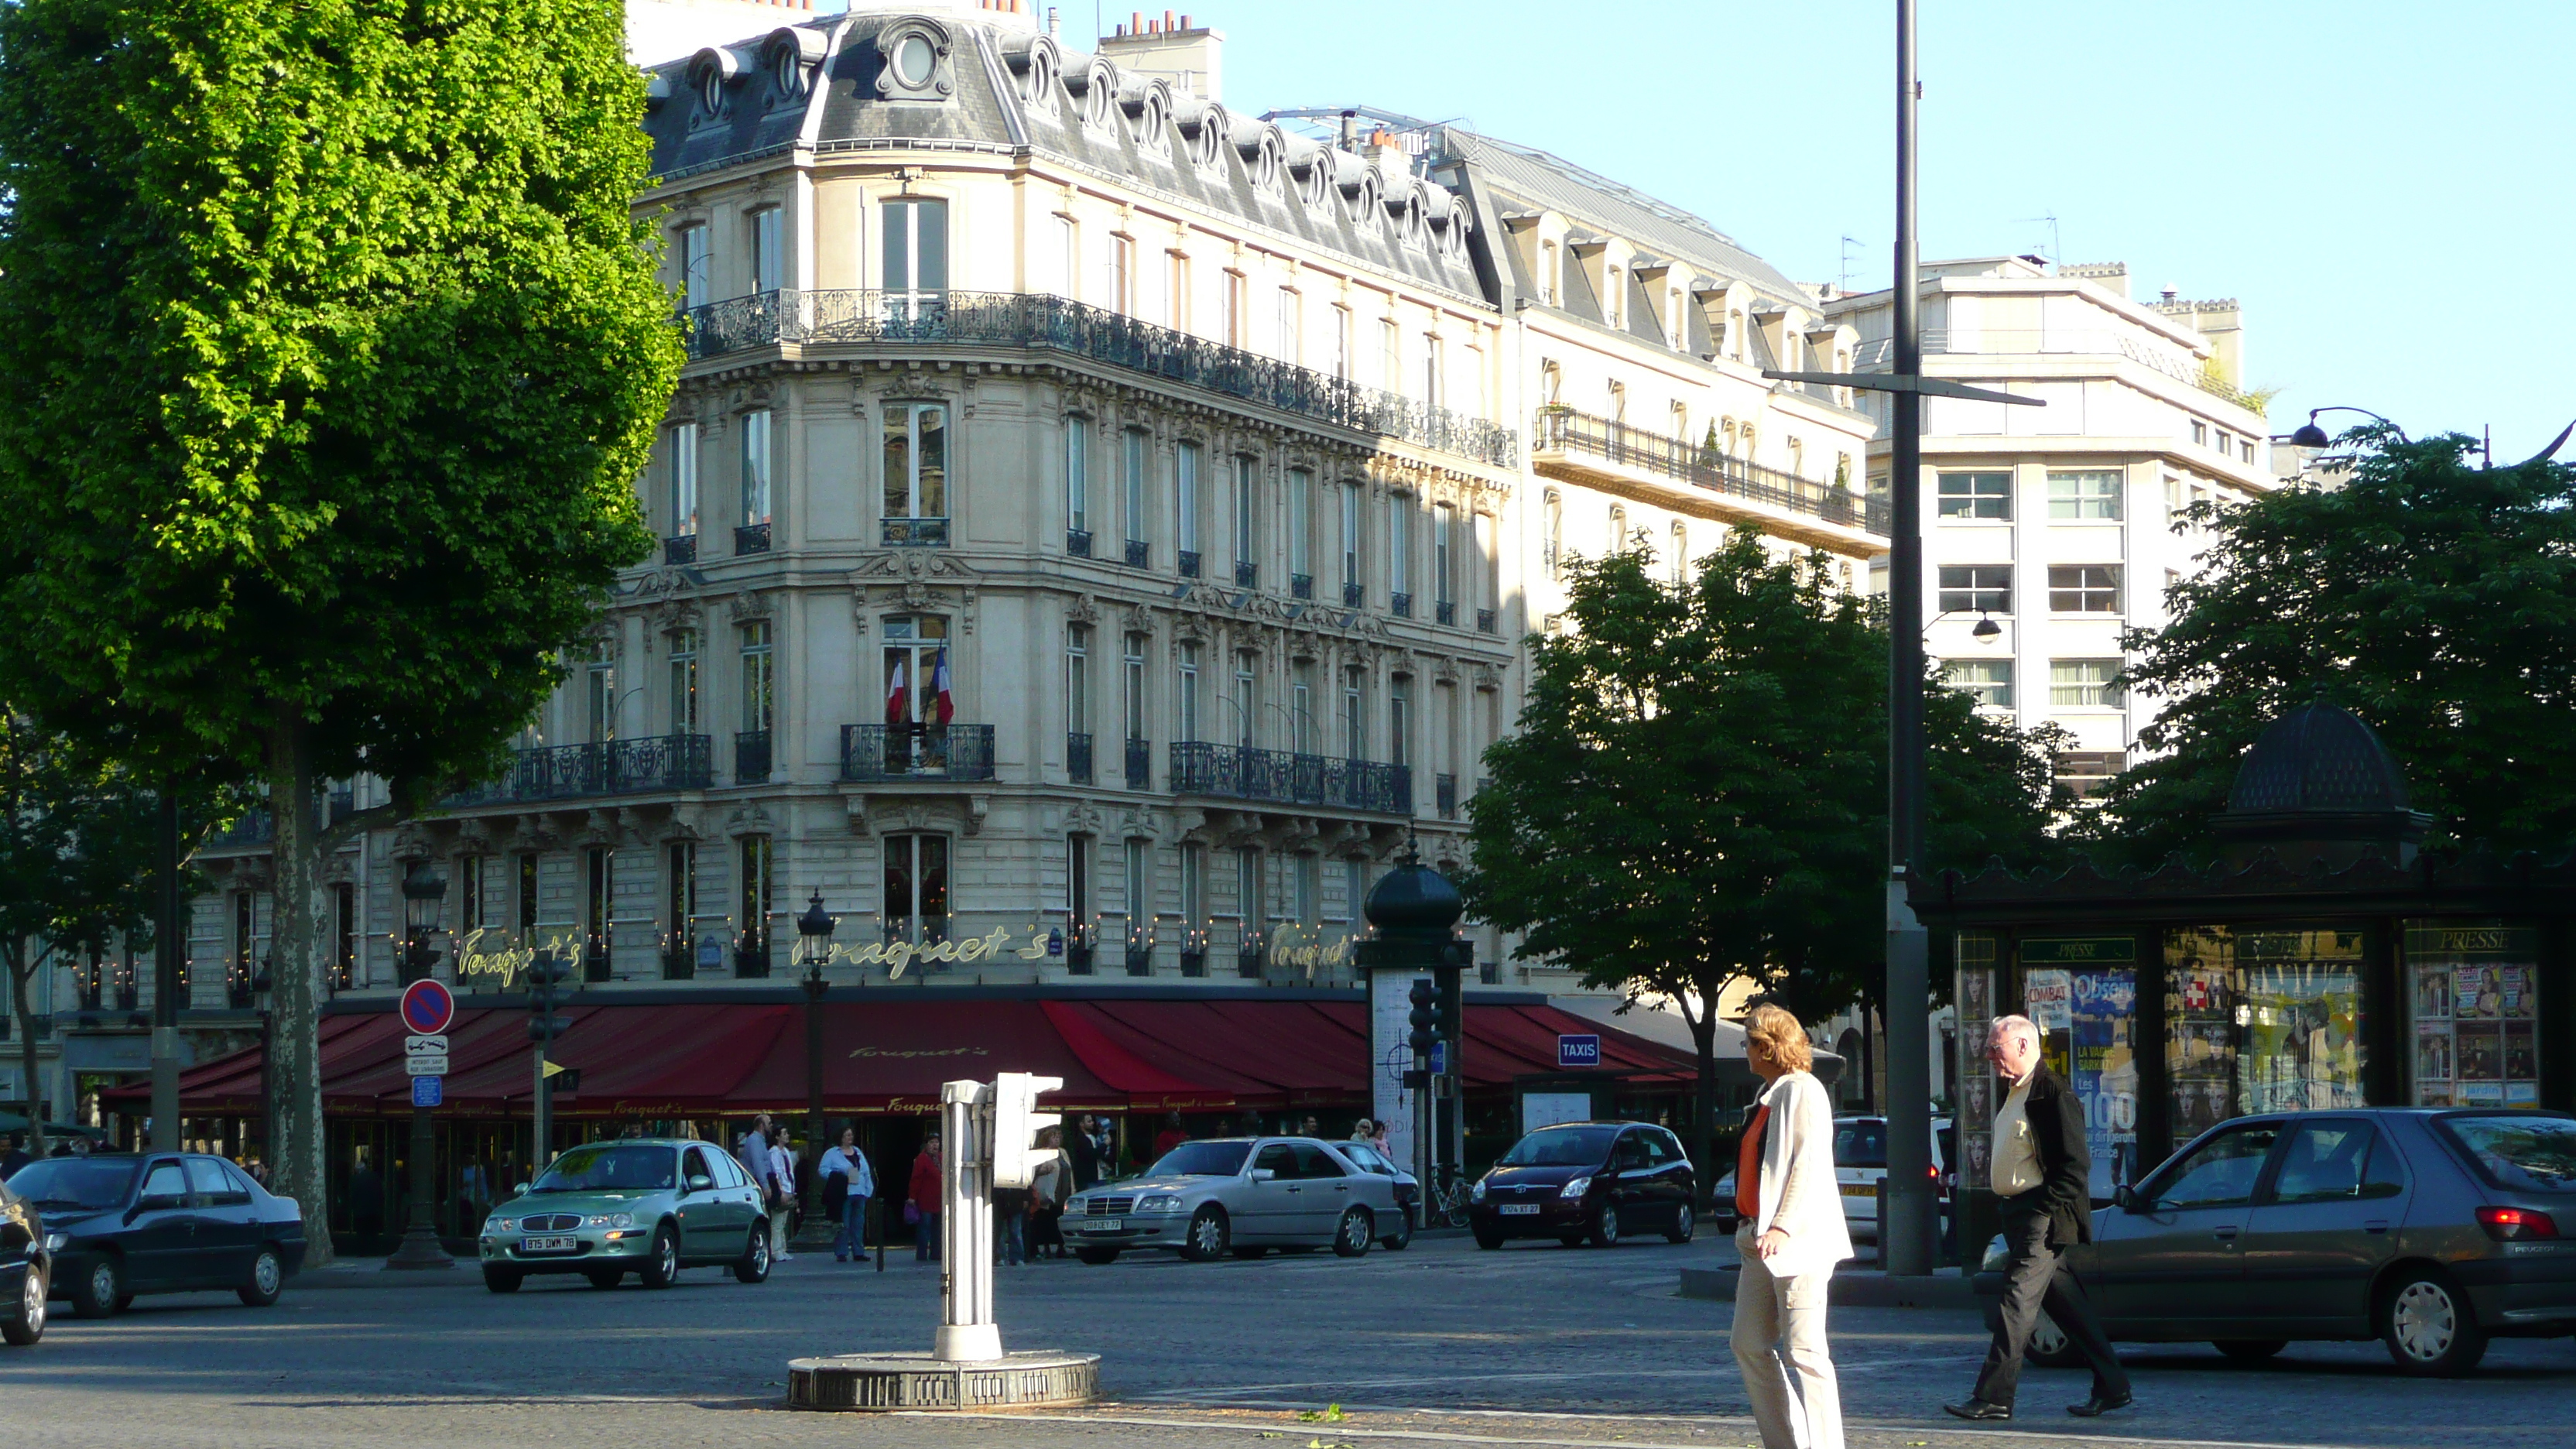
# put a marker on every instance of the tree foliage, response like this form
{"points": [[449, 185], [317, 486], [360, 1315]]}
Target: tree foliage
{"points": [[1697, 793], [2433, 598], [329, 350]]}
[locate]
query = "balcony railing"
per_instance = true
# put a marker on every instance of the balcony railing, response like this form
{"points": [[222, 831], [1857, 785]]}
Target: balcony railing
{"points": [[1246, 574], [1140, 554], [1189, 564], [1301, 586], [681, 550], [1241, 773], [751, 538], [1485, 621], [612, 767], [1027, 320], [1445, 611], [751, 757], [1077, 758], [1353, 595], [913, 532], [1140, 958], [1444, 795], [1401, 604], [1559, 430], [1077, 542], [1140, 765], [917, 752]]}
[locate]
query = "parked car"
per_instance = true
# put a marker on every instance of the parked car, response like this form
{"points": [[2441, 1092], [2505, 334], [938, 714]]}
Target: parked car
{"points": [[642, 1206], [1580, 1180], [1860, 1172], [1408, 1188], [1239, 1195], [24, 1269], [120, 1224], [2432, 1230]]}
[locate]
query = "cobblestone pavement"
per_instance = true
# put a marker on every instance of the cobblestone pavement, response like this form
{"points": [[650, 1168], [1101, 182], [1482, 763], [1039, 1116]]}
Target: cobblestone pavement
{"points": [[1441, 1344]]}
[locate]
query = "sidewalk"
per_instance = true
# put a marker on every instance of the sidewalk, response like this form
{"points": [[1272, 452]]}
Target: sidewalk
{"points": [[1852, 1288]]}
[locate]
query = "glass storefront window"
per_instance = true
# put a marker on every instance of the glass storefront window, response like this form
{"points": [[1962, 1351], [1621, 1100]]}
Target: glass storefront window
{"points": [[2474, 991], [2083, 993], [2261, 1021]]}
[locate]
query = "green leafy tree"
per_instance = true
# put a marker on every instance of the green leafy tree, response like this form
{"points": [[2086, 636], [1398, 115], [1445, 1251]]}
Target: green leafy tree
{"points": [[2433, 598], [1697, 793], [329, 350]]}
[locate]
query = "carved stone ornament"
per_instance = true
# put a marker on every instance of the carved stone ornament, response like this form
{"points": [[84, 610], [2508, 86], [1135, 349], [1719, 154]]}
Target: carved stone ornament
{"points": [[916, 580], [1081, 818], [749, 818], [412, 842], [1083, 610], [1488, 679], [750, 604], [1138, 825]]}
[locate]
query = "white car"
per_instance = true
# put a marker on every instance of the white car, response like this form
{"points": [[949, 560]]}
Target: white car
{"points": [[1860, 1167]]}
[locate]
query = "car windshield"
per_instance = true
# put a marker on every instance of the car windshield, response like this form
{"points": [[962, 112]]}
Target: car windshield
{"points": [[1860, 1144], [1561, 1147], [610, 1167], [2517, 1153], [75, 1182], [1202, 1159]]}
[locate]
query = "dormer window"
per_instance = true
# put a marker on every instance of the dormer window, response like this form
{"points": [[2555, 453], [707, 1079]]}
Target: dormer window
{"points": [[1547, 273], [913, 59], [1612, 297], [914, 55]]}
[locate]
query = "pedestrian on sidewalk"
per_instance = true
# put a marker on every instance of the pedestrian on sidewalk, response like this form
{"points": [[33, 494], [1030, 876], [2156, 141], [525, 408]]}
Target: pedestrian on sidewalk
{"points": [[1084, 1152], [782, 1203], [922, 1202], [1047, 1184], [1791, 1237], [846, 1175], [1174, 1133], [2042, 1172]]}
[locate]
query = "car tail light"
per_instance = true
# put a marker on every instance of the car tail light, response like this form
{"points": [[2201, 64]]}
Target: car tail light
{"points": [[2514, 1225]]}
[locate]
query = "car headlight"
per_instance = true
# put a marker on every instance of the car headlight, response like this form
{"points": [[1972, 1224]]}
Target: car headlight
{"points": [[1477, 1193], [1165, 1204], [493, 1226], [1998, 1257], [1576, 1187], [610, 1220], [1075, 1207], [56, 1242]]}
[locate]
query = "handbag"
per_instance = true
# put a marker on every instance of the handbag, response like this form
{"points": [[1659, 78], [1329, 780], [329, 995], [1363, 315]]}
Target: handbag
{"points": [[912, 1212]]}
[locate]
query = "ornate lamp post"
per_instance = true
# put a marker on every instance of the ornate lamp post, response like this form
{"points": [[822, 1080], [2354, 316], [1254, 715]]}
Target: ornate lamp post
{"points": [[814, 946], [423, 889]]}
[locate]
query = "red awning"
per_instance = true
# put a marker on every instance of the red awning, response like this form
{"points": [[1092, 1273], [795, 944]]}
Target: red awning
{"points": [[892, 1055]]}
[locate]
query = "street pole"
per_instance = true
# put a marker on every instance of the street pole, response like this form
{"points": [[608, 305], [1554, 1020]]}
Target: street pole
{"points": [[420, 1247], [165, 980], [1913, 1227]]}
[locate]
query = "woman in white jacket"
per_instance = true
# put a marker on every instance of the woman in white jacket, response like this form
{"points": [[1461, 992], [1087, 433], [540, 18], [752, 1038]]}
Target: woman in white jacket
{"points": [[1791, 1238]]}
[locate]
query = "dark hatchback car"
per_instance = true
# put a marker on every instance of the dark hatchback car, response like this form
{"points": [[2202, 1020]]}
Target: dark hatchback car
{"points": [[122, 1224], [2433, 1230], [23, 1270], [1579, 1180]]}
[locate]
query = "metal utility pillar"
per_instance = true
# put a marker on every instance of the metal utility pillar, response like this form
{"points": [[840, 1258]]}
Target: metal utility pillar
{"points": [[967, 1333], [166, 946]]}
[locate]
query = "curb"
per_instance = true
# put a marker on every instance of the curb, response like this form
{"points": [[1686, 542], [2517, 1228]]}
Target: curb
{"points": [[364, 1274], [1862, 1288]]}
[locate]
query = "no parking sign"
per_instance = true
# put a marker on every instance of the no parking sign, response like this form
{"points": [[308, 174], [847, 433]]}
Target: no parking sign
{"points": [[427, 1008]]}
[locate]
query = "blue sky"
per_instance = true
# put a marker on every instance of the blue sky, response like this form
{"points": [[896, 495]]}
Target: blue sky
{"points": [[2386, 186]]}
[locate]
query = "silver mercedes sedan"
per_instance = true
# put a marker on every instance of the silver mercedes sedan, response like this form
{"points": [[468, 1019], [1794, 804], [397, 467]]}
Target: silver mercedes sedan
{"points": [[1239, 1195]]}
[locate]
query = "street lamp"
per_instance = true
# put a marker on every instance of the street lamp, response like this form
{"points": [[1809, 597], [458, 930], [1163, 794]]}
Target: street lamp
{"points": [[423, 888], [2310, 435], [1986, 631], [814, 947]]}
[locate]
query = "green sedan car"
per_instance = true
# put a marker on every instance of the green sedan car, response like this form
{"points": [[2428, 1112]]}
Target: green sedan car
{"points": [[644, 1207]]}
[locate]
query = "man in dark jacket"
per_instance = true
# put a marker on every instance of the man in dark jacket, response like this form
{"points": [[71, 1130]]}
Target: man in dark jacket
{"points": [[2042, 1172]]}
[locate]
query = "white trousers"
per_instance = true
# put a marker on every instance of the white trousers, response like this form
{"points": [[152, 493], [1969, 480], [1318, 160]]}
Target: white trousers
{"points": [[1780, 1344]]}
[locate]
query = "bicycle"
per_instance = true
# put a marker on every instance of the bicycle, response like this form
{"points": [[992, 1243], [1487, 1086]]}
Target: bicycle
{"points": [[1449, 1198]]}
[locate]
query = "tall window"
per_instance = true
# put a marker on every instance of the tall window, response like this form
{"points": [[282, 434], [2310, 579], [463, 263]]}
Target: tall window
{"points": [[1288, 328], [1399, 720], [1185, 497], [1354, 888], [600, 679], [1983, 588], [1976, 495], [1140, 889], [1134, 662], [1193, 887], [752, 897], [469, 893], [684, 682], [1310, 889], [697, 266], [1122, 274], [2084, 684], [1247, 891], [527, 874], [916, 887], [759, 704], [1354, 714], [2089, 494], [1681, 552], [755, 466], [914, 646], [2084, 588], [344, 973], [1301, 522], [1247, 695], [1988, 681], [684, 481], [1077, 879], [916, 460], [1547, 274], [1390, 348], [768, 249], [1246, 492], [1068, 252], [1350, 536], [601, 866], [1077, 678], [1186, 696], [1618, 529], [1176, 290], [1342, 342], [680, 892], [1399, 543], [1233, 308], [916, 253], [1134, 458], [1077, 474], [1435, 374], [1301, 711], [1443, 526]]}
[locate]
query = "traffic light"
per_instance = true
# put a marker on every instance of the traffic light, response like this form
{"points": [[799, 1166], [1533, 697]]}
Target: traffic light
{"points": [[1448, 1010], [545, 974], [1016, 1125], [1423, 1018]]}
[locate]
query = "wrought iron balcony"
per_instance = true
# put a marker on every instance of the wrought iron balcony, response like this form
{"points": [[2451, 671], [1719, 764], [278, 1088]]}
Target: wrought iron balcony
{"points": [[751, 538], [1057, 324], [1077, 542], [1561, 430], [1445, 611], [1140, 765], [1353, 595], [750, 957], [1301, 586], [1401, 604], [1189, 564], [751, 757], [1247, 957], [1485, 621], [598, 956], [681, 550], [1077, 757], [612, 767], [913, 532], [917, 752], [1241, 773], [1140, 554], [1246, 573], [1140, 958]]}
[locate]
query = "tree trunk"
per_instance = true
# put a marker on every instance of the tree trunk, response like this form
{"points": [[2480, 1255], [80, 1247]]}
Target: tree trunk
{"points": [[1704, 1127], [298, 1156], [19, 974]]}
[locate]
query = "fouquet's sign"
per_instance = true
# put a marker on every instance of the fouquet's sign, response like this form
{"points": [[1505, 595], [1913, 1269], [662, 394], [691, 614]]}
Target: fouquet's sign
{"points": [[510, 962]]}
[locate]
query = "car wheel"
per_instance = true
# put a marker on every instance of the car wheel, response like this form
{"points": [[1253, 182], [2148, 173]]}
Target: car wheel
{"points": [[502, 1280], [98, 1292], [1249, 1250], [267, 1278], [753, 1265], [2429, 1327], [2050, 1347], [1208, 1235], [662, 1264], [29, 1325], [604, 1277], [1097, 1257], [1488, 1241], [1605, 1227], [1358, 1229], [1402, 1237], [1685, 1223], [2250, 1350]]}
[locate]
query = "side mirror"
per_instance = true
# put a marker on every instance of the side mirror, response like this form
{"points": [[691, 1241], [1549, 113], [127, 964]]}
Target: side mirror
{"points": [[1263, 1174], [520, 1191], [700, 1182], [2126, 1199]]}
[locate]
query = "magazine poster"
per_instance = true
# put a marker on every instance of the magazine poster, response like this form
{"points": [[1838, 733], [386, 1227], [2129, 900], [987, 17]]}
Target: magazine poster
{"points": [[2102, 1015]]}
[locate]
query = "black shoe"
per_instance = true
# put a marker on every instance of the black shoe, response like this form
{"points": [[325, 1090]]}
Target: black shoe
{"points": [[1979, 1409], [2098, 1405]]}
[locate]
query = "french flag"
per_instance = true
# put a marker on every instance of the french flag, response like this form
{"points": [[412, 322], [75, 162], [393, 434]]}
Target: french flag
{"points": [[939, 709], [897, 706]]}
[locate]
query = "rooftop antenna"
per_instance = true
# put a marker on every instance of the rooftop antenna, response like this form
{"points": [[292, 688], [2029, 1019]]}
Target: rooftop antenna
{"points": [[1848, 244], [2055, 253]]}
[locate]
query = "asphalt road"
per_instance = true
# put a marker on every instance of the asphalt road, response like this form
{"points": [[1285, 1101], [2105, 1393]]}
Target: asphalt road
{"points": [[1441, 1344]]}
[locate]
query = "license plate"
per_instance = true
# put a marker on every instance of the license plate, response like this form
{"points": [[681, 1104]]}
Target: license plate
{"points": [[1520, 1209], [1102, 1225], [548, 1245]]}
